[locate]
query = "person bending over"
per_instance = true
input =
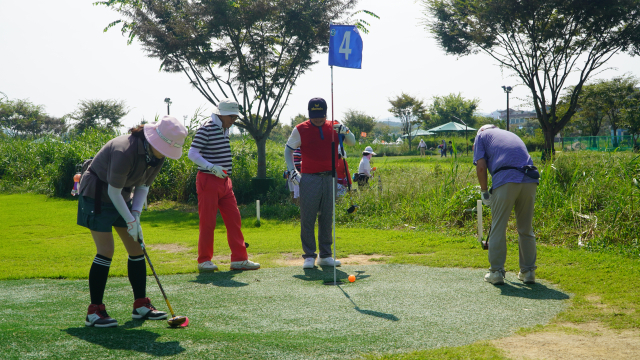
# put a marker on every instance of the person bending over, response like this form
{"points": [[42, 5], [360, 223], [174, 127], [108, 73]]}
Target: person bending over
{"points": [[514, 183], [124, 165]]}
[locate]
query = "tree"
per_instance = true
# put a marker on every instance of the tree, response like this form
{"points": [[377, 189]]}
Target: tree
{"points": [[631, 113], [298, 119], [444, 108], [251, 51], [590, 112], [541, 41], [410, 111], [359, 122], [104, 114], [614, 98], [22, 117]]}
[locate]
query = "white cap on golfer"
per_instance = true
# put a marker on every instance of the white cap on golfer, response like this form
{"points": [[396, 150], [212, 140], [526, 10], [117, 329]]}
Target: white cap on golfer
{"points": [[227, 107], [485, 127], [369, 150]]}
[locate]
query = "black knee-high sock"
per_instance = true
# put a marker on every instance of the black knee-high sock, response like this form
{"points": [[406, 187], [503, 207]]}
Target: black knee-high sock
{"points": [[138, 276], [98, 278]]}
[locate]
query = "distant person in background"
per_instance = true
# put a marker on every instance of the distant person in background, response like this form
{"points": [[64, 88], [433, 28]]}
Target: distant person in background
{"points": [[514, 183], [422, 146], [211, 151], [450, 147], [126, 164], [443, 148], [365, 170]]}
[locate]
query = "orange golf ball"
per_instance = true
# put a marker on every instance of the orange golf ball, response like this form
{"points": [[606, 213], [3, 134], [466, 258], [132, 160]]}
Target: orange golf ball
{"points": [[352, 278]]}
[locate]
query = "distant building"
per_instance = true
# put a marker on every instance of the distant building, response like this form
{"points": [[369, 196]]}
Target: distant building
{"points": [[517, 116]]}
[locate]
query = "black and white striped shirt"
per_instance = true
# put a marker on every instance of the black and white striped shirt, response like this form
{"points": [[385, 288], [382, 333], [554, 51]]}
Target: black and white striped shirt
{"points": [[213, 142]]}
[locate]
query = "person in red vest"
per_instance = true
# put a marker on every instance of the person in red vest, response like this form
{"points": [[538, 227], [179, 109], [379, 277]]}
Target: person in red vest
{"points": [[316, 183]]}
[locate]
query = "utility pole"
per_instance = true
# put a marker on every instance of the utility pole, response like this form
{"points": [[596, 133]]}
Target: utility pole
{"points": [[507, 89]]}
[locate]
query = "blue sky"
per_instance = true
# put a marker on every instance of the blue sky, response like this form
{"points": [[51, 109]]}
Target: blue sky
{"points": [[55, 53]]}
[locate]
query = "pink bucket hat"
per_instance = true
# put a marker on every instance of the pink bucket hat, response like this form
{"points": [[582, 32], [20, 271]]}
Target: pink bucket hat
{"points": [[167, 136]]}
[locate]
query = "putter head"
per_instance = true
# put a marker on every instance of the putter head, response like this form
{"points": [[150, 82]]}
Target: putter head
{"points": [[485, 245], [352, 209], [176, 321]]}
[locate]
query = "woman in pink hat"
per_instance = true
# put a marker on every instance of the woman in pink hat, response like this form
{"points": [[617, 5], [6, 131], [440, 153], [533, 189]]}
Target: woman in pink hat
{"points": [[112, 191]]}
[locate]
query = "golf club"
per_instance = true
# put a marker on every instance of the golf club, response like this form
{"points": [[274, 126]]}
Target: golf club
{"points": [[174, 321], [352, 208]]}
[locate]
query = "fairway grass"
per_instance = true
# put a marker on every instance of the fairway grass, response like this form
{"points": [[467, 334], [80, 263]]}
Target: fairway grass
{"points": [[280, 313], [40, 240]]}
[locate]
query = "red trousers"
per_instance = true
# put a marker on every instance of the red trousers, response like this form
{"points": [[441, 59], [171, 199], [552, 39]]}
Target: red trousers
{"points": [[217, 194]]}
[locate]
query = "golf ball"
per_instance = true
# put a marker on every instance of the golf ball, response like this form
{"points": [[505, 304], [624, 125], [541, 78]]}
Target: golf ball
{"points": [[352, 278]]}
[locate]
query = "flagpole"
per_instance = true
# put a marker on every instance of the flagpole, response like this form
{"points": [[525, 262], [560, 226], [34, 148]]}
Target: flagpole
{"points": [[333, 181]]}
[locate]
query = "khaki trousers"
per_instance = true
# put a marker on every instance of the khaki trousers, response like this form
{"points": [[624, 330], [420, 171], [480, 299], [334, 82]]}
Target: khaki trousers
{"points": [[521, 198]]}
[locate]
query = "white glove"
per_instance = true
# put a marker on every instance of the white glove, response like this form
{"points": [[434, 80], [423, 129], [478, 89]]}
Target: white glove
{"points": [[136, 215], [486, 197], [294, 177], [133, 228], [341, 129], [218, 171]]}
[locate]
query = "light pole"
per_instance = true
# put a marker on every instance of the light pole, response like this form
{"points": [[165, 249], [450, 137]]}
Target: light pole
{"points": [[466, 141], [507, 89], [168, 101]]}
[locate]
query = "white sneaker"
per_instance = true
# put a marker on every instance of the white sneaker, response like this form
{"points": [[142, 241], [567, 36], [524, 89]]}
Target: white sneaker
{"points": [[244, 265], [527, 277], [207, 266], [328, 262], [494, 277], [309, 263]]}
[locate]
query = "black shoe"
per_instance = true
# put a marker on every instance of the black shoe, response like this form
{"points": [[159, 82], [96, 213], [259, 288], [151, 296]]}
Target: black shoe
{"points": [[142, 309], [97, 316]]}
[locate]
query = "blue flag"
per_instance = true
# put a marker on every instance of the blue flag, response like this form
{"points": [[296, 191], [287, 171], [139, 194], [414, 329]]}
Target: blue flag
{"points": [[345, 46]]}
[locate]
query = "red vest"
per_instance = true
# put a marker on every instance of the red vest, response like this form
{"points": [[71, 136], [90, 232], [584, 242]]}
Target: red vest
{"points": [[316, 149]]}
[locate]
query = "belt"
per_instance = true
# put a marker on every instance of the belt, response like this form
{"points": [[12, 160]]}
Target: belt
{"points": [[323, 173]]}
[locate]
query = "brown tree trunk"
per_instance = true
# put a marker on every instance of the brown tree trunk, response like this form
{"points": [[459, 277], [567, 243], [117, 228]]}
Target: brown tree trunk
{"points": [[549, 149], [262, 157]]}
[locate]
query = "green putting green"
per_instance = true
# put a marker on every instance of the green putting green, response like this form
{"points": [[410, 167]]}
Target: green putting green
{"points": [[283, 313]]}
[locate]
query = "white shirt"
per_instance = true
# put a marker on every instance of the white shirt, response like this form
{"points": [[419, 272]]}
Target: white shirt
{"points": [[365, 166]]}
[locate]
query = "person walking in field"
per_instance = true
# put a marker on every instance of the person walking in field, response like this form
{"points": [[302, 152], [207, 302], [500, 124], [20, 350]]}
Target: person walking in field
{"points": [[314, 137], [422, 146], [443, 148], [211, 151], [124, 165], [514, 183], [450, 147]]}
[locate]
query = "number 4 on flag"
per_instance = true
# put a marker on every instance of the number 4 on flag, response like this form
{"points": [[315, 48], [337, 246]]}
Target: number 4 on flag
{"points": [[345, 46]]}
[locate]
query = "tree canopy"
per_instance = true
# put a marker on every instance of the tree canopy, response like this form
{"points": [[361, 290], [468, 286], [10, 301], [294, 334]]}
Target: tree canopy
{"points": [[358, 122], [22, 117], [444, 109], [410, 111], [542, 41], [105, 114], [250, 51]]}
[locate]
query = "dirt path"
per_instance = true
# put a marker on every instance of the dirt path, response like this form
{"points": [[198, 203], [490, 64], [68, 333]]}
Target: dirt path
{"points": [[568, 341]]}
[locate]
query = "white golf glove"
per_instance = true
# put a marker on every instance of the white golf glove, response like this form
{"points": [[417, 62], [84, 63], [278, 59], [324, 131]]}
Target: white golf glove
{"points": [[341, 129], [486, 197], [294, 177], [218, 171], [133, 228], [136, 215]]}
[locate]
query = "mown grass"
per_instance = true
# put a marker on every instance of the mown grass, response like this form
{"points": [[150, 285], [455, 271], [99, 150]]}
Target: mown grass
{"points": [[40, 240]]}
